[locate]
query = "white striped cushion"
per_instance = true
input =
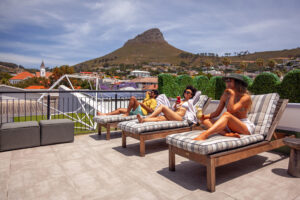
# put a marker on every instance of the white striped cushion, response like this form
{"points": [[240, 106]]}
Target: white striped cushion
{"points": [[134, 126], [214, 143], [262, 111], [113, 118]]}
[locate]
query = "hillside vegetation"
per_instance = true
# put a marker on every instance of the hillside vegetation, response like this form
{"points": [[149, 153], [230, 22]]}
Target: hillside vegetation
{"points": [[151, 46]]}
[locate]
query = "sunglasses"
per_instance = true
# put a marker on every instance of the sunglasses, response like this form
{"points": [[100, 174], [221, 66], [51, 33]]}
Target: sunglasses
{"points": [[227, 80], [187, 92]]}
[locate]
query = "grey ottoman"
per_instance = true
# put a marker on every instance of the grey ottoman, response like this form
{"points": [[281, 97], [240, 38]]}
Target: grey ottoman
{"points": [[56, 131], [18, 135]]}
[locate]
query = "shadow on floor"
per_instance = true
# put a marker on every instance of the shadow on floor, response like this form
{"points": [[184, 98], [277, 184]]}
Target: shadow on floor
{"points": [[113, 135], [192, 176], [282, 172], [152, 146]]}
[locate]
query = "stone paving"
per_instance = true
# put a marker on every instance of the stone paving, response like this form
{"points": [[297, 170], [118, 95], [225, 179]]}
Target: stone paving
{"points": [[94, 168]]}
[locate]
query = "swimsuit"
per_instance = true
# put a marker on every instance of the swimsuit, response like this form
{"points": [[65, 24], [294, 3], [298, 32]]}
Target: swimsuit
{"points": [[246, 121]]}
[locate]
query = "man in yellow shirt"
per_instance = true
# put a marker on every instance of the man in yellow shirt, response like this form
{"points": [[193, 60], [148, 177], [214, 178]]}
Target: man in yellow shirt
{"points": [[145, 107]]}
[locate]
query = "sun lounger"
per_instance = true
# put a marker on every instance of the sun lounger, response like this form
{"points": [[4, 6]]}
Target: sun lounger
{"points": [[111, 121], [219, 150], [155, 130]]}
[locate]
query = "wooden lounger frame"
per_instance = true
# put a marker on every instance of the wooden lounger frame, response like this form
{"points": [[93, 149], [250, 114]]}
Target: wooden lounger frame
{"points": [[107, 126], [222, 158], [158, 134]]}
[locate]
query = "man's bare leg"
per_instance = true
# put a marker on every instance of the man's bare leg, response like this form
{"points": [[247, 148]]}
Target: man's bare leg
{"points": [[115, 112], [133, 104], [140, 119]]}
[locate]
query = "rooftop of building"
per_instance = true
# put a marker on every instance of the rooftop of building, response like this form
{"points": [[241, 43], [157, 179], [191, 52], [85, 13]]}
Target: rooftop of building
{"points": [[22, 76]]}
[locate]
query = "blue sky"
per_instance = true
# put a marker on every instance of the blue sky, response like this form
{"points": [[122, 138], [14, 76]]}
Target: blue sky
{"points": [[72, 31]]}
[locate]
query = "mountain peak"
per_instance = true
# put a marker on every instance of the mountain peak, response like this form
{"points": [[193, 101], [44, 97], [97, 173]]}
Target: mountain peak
{"points": [[151, 35]]}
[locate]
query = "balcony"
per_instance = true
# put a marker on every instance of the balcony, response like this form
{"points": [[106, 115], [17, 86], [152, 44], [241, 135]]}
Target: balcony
{"points": [[95, 168]]}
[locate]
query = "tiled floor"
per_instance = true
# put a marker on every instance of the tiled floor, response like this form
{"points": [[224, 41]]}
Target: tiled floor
{"points": [[94, 168]]}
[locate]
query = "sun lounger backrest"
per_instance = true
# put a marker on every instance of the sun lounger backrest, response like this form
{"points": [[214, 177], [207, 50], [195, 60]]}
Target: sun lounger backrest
{"points": [[202, 100], [281, 105], [162, 99], [262, 111]]}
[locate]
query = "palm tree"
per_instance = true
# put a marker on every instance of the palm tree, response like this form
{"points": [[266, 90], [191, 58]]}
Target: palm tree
{"points": [[226, 61], [260, 63], [243, 65], [208, 63], [271, 64]]}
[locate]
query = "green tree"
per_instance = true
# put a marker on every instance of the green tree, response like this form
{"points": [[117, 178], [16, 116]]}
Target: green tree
{"points": [[58, 72], [4, 78]]}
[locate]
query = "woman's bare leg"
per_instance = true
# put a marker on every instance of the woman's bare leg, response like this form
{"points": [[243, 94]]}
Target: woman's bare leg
{"points": [[156, 112], [151, 119], [208, 123], [169, 114], [227, 119]]}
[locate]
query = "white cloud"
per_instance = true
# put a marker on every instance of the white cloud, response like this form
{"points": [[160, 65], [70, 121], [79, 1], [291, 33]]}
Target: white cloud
{"points": [[72, 31]]}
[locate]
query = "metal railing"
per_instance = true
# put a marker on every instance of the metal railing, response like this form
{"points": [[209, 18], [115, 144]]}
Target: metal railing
{"points": [[79, 106]]}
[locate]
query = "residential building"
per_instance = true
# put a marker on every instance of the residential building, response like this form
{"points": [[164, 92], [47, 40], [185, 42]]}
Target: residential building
{"points": [[138, 73], [20, 77], [145, 81]]}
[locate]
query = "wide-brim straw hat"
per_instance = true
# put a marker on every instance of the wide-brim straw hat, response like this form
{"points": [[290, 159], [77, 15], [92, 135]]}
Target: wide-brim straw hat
{"points": [[236, 77]]}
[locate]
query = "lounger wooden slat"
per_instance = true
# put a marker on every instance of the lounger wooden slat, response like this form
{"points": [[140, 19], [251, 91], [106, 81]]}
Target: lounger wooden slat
{"points": [[159, 134], [217, 159]]}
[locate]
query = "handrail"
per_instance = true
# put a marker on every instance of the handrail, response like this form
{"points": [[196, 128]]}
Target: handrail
{"points": [[71, 91]]}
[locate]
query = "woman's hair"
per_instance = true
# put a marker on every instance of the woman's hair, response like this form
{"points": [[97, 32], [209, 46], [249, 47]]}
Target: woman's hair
{"points": [[189, 87], [240, 87]]}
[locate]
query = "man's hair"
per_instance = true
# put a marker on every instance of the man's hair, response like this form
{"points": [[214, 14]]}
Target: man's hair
{"points": [[189, 87], [155, 92]]}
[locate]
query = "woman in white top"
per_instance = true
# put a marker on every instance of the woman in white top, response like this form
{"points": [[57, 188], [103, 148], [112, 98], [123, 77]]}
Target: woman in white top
{"points": [[235, 120], [177, 113]]}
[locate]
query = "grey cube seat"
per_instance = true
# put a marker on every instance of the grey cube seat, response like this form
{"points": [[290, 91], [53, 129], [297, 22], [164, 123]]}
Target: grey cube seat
{"points": [[56, 131], [17, 135]]}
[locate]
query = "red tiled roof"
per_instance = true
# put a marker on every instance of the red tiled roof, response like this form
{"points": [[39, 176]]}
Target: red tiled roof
{"points": [[150, 87], [22, 76], [86, 72], [145, 80], [35, 87], [37, 74]]}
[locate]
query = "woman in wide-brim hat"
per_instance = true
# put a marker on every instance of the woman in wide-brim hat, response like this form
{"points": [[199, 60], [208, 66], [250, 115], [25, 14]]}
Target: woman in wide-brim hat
{"points": [[235, 120]]}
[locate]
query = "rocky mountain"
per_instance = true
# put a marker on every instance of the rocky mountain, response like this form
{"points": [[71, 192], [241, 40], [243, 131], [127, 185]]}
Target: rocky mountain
{"points": [[149, 46], [150, 36]]}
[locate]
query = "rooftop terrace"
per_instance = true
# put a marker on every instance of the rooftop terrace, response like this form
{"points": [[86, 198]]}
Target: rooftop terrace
{"points": [[95, 168]]}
